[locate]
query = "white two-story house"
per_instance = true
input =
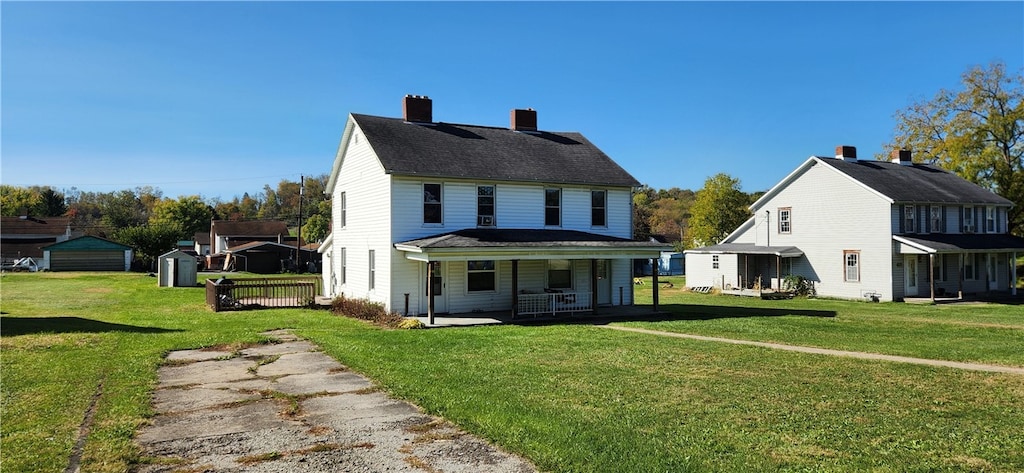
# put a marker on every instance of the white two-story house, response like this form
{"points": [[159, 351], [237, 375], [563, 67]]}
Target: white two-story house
{"points": [[432, 217], [868, 229]]}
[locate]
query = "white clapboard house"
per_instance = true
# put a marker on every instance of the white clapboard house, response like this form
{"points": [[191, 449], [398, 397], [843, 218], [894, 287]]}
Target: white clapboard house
{"points": [[868, 229], [510, 219]]}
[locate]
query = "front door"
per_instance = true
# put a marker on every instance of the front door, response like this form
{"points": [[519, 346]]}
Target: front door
{"points": [[604, 282], [440, 295], [910, 263], [993, 276]]}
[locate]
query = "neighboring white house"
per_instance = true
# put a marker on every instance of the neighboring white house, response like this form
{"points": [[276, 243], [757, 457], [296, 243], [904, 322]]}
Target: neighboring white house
{"points": [[868, 229], [512, 219]]}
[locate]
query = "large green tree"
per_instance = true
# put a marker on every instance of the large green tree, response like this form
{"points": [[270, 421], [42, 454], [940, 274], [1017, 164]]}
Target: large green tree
{"points": [[190, 213], [976, 131], [149, 241], [718, 208]]}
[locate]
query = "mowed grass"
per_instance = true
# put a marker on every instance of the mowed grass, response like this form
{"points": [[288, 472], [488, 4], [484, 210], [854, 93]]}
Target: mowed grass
{"points": [[570, 397]]}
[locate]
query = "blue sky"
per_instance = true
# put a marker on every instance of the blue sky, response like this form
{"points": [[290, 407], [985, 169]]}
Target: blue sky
{"points": [[217, 99]]}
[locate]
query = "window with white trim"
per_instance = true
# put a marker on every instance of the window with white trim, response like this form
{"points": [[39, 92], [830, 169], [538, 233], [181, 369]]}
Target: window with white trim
{"points": [[344, 211], [560, 274], [909, 219], [343, 256], [432, 203], [990, 219], [373, 269], [851, 263], [785, 216], [935, 219], [552, 207], [481, 276], [714, 261], [598, 208], [485, 206], [968, 223]]}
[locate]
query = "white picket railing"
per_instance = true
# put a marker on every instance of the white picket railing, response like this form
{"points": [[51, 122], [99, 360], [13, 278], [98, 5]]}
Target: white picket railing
{"points": [[554, 303]]}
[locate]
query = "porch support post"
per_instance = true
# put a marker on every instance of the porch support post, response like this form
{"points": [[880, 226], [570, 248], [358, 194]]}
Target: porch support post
{"points": [[654, 282], [746, 272], [430, 292], [931, 274], [778, 272], [1013, 274], [593, 286], [960, 278], [515, 288]]}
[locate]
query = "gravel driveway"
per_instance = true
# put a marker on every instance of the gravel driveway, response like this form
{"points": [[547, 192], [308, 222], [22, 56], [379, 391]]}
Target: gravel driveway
{"points": [[287, 407]]}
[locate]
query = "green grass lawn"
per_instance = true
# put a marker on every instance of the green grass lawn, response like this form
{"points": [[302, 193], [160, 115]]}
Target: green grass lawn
{"points": [[570, 397]]}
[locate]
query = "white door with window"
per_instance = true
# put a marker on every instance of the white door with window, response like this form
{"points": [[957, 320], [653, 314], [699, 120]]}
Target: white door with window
{"points": [[993, 276], [604, 282], [440, 292], [910, 275]]}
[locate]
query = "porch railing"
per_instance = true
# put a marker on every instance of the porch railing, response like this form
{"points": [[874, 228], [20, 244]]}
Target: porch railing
{"points": [[253, 293], [554, 303]]}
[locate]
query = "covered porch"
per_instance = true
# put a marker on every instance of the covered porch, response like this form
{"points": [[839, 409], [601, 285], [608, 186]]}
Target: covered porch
{"points": [[954, 266], [748, 267], [526, 273]]}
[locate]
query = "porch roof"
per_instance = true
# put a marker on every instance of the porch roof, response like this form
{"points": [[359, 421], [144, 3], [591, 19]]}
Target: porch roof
{"points": [[958, 243], [509, 244], [749, 249]]}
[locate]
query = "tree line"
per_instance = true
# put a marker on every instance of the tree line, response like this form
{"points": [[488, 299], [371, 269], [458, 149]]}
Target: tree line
{"points": [[146, 220]]}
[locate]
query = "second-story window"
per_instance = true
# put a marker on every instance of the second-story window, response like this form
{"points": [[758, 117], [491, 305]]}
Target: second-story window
{"points": [[341, 205], [485, 206], [432, 203], [909, 219], [935, 219], [785, 222], [598, 208], [990, 219], [968, 222], [552, 207]]}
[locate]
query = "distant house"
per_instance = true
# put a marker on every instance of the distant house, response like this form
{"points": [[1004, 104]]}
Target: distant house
{"points": [[87, 253], [434, 217], [226, 234], [26, 236], [868, 229], [201, 243]]}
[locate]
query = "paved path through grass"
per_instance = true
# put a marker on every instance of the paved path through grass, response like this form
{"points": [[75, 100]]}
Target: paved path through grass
{"points": [[825, 351]]}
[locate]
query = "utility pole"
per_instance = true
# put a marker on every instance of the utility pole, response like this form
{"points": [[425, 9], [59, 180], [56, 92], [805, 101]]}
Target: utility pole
{"points": [[298, 241]]}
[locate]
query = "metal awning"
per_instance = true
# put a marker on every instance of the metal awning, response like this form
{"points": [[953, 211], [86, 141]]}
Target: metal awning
{"points": [[958, 243], [525, 244], [748, 249]]}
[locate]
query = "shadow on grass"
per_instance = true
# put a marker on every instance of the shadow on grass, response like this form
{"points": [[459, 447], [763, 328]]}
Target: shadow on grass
{"points": [[671, 312], [11, 326]]}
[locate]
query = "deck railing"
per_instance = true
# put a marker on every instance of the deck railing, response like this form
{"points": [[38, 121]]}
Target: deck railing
{"points": [[554, 303], [254, 293]]}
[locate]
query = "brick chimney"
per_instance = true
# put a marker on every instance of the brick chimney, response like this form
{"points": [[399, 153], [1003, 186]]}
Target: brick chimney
{"points": [[902, 157], [417, 108], [846, 153], [523, 120]]}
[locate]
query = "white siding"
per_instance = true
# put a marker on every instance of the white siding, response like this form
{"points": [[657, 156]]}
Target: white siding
{"points": [[831, 213], [701, 271]]}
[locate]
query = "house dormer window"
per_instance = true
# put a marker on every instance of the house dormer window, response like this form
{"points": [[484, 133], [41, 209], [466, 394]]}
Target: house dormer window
{"points": [[485, 206], [990, 219], [785, 223], [598, 209], [552, 207], [968, 220], [909, 219], [935, 219], [432, 203]]}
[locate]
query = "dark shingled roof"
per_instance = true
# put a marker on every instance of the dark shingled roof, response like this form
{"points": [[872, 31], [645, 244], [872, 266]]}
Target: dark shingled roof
{"points": [[491, 153], [518, 238], [916, 183], [249, 228], [749, 249], [958, 242], [34, 225]]}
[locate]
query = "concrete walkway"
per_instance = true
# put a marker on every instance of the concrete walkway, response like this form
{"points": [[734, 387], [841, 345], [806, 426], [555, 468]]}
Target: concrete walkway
{"points": [[825, 351], [287, 407]]}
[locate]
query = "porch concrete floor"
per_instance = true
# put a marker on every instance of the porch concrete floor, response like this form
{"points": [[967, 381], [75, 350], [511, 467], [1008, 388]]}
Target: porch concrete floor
{"points": [[505, 317]]}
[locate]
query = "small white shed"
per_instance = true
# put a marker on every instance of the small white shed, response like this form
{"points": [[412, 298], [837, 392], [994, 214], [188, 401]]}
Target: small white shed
{"points": [[177, 269]]}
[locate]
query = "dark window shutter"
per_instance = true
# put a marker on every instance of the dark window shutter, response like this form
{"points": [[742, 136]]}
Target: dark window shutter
{"points": [[944, 210], [901, 218]]}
